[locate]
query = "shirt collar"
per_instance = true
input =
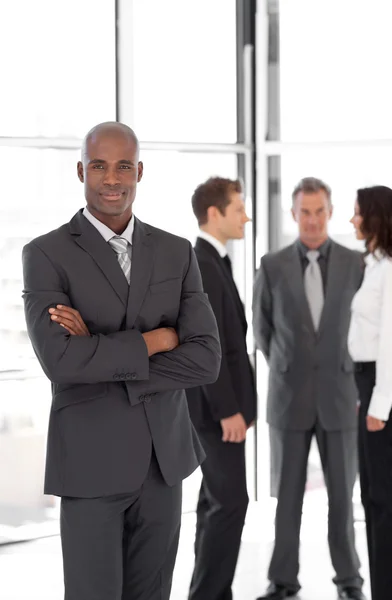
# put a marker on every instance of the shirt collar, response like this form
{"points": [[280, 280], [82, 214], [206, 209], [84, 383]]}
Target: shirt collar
{"points": [[323, 249], [219, 247], [374, 258], [106, 232]]}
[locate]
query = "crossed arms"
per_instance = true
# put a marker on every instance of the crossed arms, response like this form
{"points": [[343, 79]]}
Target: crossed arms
{"points": [[154, 360]]}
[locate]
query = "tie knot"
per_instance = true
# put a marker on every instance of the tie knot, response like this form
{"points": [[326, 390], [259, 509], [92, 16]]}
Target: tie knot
{"points": [[119, 244], [313, 256]]}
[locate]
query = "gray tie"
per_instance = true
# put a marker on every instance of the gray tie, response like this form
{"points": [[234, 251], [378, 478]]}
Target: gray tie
{"points": [[314, 291], [120, 246]]}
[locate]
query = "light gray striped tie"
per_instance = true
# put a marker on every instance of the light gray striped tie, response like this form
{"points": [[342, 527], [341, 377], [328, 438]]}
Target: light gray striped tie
{"points": [[313, 282], [120, 246]]}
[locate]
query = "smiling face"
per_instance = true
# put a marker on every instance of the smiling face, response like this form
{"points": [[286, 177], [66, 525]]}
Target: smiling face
{"points": [[110, 171], [231, 224]]}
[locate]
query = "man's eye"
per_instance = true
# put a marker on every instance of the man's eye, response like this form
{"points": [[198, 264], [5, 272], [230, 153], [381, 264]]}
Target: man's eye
{"points": [[125, 167], [97, 166]]}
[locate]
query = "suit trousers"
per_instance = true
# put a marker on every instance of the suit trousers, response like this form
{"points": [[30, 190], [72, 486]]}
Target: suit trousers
{"points": [[375, 467], [122, 547], [290, 451], [221, 511]]}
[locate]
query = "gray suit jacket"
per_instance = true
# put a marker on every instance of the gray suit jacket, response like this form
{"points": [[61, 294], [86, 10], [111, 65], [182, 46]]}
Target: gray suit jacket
{"points": [[311, 374], [111, 403]]}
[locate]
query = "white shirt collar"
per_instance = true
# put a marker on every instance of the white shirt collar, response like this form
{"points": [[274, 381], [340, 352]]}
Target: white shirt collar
{"points": [[374, 258], [106, 232], [219, 247]]}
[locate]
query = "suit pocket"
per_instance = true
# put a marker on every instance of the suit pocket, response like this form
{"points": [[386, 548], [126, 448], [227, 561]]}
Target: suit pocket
{"points": [[77, 394], [164, 286]]}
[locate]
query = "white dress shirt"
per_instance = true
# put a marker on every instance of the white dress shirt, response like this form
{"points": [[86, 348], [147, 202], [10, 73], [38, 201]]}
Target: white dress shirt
{"points": [[370, 335], [107, 233], [219, 247]]}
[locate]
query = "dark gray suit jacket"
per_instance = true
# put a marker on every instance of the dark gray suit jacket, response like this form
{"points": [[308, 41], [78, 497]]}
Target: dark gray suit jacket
{"points": [[111, 403], [311, 374], [234, 390]]}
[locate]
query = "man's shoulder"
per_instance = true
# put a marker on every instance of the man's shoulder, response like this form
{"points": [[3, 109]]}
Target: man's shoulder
{"points": [[276, 257], [165, 237], [349, 253], [47, 240]]}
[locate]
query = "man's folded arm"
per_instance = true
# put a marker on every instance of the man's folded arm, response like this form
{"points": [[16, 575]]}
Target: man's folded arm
{"points": [[196, 361], [73, 359]]}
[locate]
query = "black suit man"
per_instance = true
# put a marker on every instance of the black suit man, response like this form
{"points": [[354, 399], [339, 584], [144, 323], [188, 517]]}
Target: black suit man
{"points": [[221, 411], [120, 324], [302, 300]]}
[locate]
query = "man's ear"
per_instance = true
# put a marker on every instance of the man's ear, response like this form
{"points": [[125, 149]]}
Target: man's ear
{"points": [[140, 169], [211, 213], [80, 172]]}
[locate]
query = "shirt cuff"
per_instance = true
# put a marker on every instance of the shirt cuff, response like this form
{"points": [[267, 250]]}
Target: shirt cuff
{"points": [[380, 406]]}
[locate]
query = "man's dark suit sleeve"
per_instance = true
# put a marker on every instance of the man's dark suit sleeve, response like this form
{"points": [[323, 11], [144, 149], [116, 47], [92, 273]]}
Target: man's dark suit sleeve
{"points": [[196, 361], [73, 359], [262, 311], [219, 395]]}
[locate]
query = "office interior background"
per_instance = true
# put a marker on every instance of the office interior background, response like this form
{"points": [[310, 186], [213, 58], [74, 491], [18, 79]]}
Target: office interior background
{"points": [[263, 90]]}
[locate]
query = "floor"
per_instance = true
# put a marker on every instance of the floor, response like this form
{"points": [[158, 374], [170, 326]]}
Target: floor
{"points": [[32, 570]]}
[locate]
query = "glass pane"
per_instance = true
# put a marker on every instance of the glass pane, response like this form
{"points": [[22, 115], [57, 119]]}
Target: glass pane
{"points": [[40, 192], [164, 194], [59, 75], [345, 170], [185, 70], [334, 69]]}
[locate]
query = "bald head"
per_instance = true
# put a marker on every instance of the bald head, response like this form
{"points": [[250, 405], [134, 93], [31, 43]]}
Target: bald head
{"points": [[110, 171], [110, 129]]}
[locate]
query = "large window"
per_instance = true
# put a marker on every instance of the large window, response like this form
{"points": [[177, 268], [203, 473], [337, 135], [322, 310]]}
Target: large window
{"points": [[57, 82], [169, 70], [183, 60], [323, 110], [334, 69], [58, 67]]}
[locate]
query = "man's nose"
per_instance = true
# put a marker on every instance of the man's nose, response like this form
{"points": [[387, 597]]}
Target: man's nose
{"points": [[111, 177]]}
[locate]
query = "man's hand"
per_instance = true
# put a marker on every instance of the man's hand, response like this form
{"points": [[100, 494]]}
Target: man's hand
{"points": [[163, 339], [234, 429], [374, 424], [70, 319]]}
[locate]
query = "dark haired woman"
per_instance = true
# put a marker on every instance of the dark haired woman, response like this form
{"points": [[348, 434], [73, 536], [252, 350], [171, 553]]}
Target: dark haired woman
{"points": [[370, 344]]}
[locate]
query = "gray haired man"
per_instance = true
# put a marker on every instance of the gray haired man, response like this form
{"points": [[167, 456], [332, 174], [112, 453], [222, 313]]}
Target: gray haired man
{"points": [[301, 307]]}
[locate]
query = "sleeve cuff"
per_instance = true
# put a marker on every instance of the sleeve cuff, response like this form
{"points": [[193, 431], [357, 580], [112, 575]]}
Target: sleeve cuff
{"points": [[380, 406]]}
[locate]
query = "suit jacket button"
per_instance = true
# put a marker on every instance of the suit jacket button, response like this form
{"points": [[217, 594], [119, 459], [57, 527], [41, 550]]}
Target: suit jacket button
{"points": [[147, 399], [116, 376], [133, 375], [128, 376], [141, 397]]}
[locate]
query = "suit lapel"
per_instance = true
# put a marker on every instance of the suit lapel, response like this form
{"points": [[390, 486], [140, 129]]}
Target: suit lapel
{"points": [[141, 270], [336, 277], [209, 248], [295, 280], [88, 238]]}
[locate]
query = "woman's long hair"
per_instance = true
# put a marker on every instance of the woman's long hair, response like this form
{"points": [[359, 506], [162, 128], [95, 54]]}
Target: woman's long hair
{"points": [[375, 208]]}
